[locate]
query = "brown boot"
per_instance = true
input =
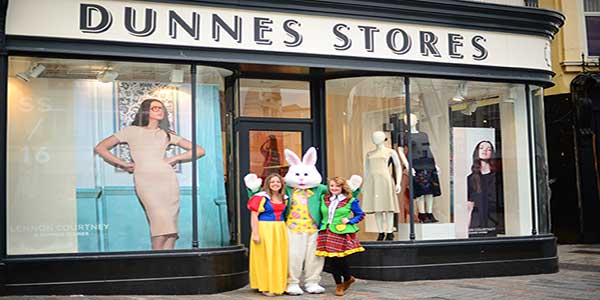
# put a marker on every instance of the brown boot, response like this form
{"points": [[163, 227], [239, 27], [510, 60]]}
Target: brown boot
{"points": [[339, 289], [348, 282]]}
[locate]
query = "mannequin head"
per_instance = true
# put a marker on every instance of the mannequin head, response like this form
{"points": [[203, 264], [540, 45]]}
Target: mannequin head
{"points": [[378, 137], [413, 120]]}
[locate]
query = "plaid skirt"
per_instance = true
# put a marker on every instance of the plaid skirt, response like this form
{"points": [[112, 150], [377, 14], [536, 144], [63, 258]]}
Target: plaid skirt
{"points": [[330, 244]]}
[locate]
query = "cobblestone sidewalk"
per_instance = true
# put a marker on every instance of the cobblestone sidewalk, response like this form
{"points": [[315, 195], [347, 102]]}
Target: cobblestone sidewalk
{"points": [[579, 278]]}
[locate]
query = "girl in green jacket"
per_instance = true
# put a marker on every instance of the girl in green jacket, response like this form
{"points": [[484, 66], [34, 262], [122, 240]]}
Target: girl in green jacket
{"points": [[337, 233]]}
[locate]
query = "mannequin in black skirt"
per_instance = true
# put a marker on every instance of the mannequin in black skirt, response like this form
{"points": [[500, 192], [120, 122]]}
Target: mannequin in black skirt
{"points": [[426, 183]]}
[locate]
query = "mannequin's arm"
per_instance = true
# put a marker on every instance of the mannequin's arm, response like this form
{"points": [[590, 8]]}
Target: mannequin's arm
{"points": [[398, 170], [437, 168], [403, 159], [366, 166]]}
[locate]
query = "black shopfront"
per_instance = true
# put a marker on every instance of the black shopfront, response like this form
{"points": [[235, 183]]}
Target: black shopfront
{"points": [[245, 80]]}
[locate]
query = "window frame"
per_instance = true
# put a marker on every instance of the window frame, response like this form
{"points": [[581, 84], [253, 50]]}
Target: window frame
{"points": [[584, 32], [231, 167]]}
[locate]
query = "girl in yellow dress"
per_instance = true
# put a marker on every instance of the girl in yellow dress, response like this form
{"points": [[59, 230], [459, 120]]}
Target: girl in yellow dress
{"points": [[268, 248]]}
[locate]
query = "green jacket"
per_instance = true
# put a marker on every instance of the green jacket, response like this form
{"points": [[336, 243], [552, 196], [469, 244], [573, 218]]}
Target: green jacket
{"points": [[350, 210]]}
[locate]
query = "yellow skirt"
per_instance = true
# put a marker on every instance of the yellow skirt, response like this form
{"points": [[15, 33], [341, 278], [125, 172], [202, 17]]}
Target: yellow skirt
{"points": [[269, 258]]}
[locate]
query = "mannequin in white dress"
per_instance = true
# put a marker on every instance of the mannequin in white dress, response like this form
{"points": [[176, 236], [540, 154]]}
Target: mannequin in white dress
{"points": [[379, 190], [425, 172]]}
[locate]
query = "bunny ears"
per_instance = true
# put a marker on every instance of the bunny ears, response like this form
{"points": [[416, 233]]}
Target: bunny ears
{"points": [[309, 158]]}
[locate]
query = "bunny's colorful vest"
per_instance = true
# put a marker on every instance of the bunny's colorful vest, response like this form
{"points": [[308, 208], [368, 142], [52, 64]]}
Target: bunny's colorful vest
{"points": [[314, 201]]}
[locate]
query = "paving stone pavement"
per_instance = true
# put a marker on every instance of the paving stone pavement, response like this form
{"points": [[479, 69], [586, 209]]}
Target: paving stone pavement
{"points": [[578, 278]]}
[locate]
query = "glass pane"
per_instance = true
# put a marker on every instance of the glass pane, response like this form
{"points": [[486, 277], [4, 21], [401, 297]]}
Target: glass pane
{"points": [[274, 98], [592, 25], [591, 5], [362, 119], [541, 160], [138, 116], [266, 151], [470, 159], [215, 208], [429, 135]]}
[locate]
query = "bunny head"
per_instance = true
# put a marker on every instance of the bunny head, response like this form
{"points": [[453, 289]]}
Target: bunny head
{"points": [[302, 174]]}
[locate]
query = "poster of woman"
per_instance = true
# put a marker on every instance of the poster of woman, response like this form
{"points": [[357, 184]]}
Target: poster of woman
{"points": [[478, 183]]}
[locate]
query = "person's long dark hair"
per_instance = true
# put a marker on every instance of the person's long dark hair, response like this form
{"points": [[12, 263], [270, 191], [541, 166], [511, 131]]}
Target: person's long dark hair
{"points": [[476, 166], [142, 117]]}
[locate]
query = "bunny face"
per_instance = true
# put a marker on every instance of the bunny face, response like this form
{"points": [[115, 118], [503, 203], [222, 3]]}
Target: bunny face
{"points": [[302, 174]]}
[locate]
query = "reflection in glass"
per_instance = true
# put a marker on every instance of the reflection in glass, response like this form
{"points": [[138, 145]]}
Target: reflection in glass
{"points": [[266, 151], [470, 152], [274, 98], [362, 114], [156, 185], [80, 203], [478, 135], [592, 23], [541, 159], [215, 209]]}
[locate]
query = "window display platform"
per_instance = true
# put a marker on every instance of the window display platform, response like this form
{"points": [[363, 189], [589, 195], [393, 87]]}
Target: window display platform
{"points": [[431, 231], [451, 259], [202, 271]]}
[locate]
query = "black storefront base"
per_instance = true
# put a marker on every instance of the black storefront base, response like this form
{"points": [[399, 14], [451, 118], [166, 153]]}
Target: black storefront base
{"points": [[452, 259], [203, 271]]}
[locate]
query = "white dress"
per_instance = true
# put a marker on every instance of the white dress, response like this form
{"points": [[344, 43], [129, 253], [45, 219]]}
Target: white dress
{"points": [[378, 187]]}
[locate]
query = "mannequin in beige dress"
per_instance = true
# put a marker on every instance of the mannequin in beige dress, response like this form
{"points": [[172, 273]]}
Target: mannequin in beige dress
{"points": [[379, 191], [155, 181]]}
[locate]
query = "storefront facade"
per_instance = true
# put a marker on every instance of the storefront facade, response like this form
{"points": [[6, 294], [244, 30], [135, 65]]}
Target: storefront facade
{"points": [[460, 81], [570, 116]]}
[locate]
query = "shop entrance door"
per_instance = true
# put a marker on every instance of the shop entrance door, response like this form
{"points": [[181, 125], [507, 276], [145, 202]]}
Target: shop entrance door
{"points": [[261, 152]]}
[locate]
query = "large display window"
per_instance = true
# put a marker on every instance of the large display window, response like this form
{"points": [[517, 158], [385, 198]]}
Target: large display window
{"points": [[360, 141], [477, 137], [542, 182], [467, 144], [66, 194]]}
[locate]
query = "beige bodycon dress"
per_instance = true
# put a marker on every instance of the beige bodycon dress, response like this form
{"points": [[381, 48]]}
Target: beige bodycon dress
{"points": [[155, 180]]}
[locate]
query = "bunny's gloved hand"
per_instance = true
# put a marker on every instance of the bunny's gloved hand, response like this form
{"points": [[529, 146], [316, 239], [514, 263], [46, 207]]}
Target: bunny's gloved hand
{"points": [[354, 182], [253, 183]]}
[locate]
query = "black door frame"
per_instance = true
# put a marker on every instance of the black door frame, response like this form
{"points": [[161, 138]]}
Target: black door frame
{"points": [[244, 128]]}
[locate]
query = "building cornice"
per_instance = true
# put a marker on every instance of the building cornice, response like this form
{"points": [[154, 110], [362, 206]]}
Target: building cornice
{"points": [[449, 13]]}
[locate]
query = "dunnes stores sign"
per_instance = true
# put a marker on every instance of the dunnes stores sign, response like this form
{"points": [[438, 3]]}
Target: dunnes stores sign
{"points": [[95, 18], [211, 27]]}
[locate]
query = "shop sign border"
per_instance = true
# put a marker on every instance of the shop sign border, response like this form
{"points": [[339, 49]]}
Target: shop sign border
{"points": [[227, 28]]}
